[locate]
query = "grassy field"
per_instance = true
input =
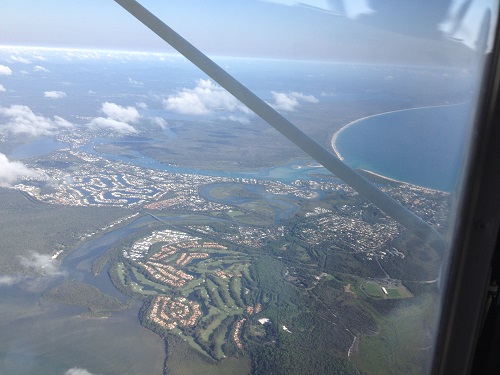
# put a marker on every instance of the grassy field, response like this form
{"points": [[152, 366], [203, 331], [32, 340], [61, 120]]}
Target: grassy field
{"points": [[219, 337], [374, 290], [143, 280], [120, 267], [205, 334], [235, 288]]}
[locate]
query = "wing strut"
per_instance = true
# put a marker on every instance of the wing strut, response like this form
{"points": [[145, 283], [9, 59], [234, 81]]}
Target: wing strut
{"points": [[383, 201]]}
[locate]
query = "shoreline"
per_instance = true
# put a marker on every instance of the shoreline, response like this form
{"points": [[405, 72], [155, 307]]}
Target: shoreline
{"points": [[403, 182], [333, 141]]}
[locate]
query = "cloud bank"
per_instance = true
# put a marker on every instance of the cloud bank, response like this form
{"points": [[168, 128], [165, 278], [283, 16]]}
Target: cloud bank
{"points": [[118, 119], [291, 101], [2, 88], [204, 99], [54, 94], [20, 119], [11, 171], [5, 70]]}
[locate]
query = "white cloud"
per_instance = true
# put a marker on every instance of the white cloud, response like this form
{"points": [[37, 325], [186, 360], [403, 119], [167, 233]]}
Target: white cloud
{"points": [[291, 101], [325, 94], [20, 59], [39, 68], [41, 263], [133, 82], [2, 88], [5, 70], [39, 58], [8, 280], [205, 98], [141, 105], [77, 371], [159, 121], [112, 124], [240, 119], [119, 113], [54, 94], [10, 171], [118, 119], [20, 119]]}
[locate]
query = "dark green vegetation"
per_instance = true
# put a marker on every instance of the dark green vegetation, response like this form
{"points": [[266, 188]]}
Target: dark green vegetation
{"points": [[227, 146], [232, 190], [85, 295], [182, 359], [45, 229], [404, 342]]}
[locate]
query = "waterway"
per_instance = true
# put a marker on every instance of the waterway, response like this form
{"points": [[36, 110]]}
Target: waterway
{"points": [[37, 147], [300, 169], [39, 337]]}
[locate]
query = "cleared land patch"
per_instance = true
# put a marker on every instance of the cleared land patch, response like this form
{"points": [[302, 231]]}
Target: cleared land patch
{"points": [[385, 290]]}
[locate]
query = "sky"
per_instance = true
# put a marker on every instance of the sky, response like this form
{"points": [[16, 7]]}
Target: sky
{"points": [[310, 29]]}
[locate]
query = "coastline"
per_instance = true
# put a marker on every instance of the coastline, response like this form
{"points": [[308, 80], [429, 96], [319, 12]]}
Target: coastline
{"points": [[335, 136], [403, 182]]}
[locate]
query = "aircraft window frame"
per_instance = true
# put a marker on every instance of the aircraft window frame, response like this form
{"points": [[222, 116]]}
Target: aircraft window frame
{"points": [[475, 236]]}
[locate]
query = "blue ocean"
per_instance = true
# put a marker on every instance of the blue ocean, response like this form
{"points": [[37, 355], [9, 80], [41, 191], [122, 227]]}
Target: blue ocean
{"points": [[422, 146]]}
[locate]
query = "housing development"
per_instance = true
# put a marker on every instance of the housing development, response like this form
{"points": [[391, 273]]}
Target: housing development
{"points": [[100, 182]]}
